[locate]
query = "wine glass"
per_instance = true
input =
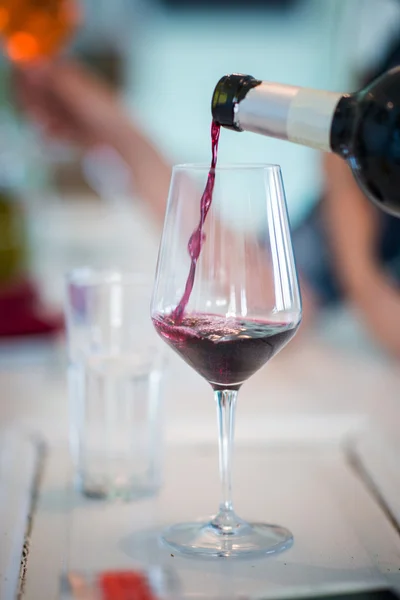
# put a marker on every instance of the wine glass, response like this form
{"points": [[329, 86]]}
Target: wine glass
{"points": [[245, 306]]}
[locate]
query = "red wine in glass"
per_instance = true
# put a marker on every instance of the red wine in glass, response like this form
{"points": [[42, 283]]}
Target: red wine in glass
{"points": [[225, 351], [197, 238]]}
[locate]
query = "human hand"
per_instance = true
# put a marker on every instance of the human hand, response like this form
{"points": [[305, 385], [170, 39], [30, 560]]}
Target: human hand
{"points": [[69, 103]]}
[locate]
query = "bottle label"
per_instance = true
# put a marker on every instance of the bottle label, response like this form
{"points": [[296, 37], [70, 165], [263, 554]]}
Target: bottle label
{"points": [[309, 118]]}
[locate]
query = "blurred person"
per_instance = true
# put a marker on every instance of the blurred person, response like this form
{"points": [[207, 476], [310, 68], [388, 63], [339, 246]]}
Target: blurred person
{"points": [[345, 249], [70, 103]]}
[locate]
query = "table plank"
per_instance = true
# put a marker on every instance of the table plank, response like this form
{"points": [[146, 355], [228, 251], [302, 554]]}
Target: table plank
{"points": [[377, 456], [342, 538], [20, 459]]}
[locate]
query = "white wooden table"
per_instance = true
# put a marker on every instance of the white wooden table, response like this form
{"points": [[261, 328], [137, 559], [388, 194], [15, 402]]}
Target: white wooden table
{"points": [[292, 467], [294, 421], [342, 537]]}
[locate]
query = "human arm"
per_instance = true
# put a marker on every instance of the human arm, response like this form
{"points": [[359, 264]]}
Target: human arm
{"points": [[72, 104], [352, 228]]}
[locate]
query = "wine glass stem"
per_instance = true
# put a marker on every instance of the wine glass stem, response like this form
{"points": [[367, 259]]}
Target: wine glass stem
{"points": [[226, 405]]}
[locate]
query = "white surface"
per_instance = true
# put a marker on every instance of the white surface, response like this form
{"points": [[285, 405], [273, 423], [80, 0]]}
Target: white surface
{"points": [[290, 399], [342, 539], [379, 456], [106, 234], [19, 457]]}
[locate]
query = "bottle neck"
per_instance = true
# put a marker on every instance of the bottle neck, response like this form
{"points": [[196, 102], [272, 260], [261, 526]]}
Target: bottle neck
{"points": [[300, 115], [342, 125]]}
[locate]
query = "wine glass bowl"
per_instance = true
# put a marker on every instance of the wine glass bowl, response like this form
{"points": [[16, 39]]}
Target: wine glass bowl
{"points": [[244, 307]]}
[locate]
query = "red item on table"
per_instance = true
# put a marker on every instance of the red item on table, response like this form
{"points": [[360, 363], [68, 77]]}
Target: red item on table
{"points": [[124, 585]]}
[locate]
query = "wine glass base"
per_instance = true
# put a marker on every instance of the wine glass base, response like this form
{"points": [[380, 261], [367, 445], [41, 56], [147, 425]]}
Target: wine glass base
{"points": [[249, 540]]}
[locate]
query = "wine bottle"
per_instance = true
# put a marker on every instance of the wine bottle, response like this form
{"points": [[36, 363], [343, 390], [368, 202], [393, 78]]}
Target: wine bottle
{"points": [[363, 128]]}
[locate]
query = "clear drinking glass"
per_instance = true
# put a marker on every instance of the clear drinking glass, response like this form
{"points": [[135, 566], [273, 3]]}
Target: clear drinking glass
{"points": [[244, 307], [115, 375]]}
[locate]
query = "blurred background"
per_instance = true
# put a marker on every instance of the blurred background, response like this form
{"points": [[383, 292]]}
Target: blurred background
{"points": [[63, 206], [163, 57]]}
